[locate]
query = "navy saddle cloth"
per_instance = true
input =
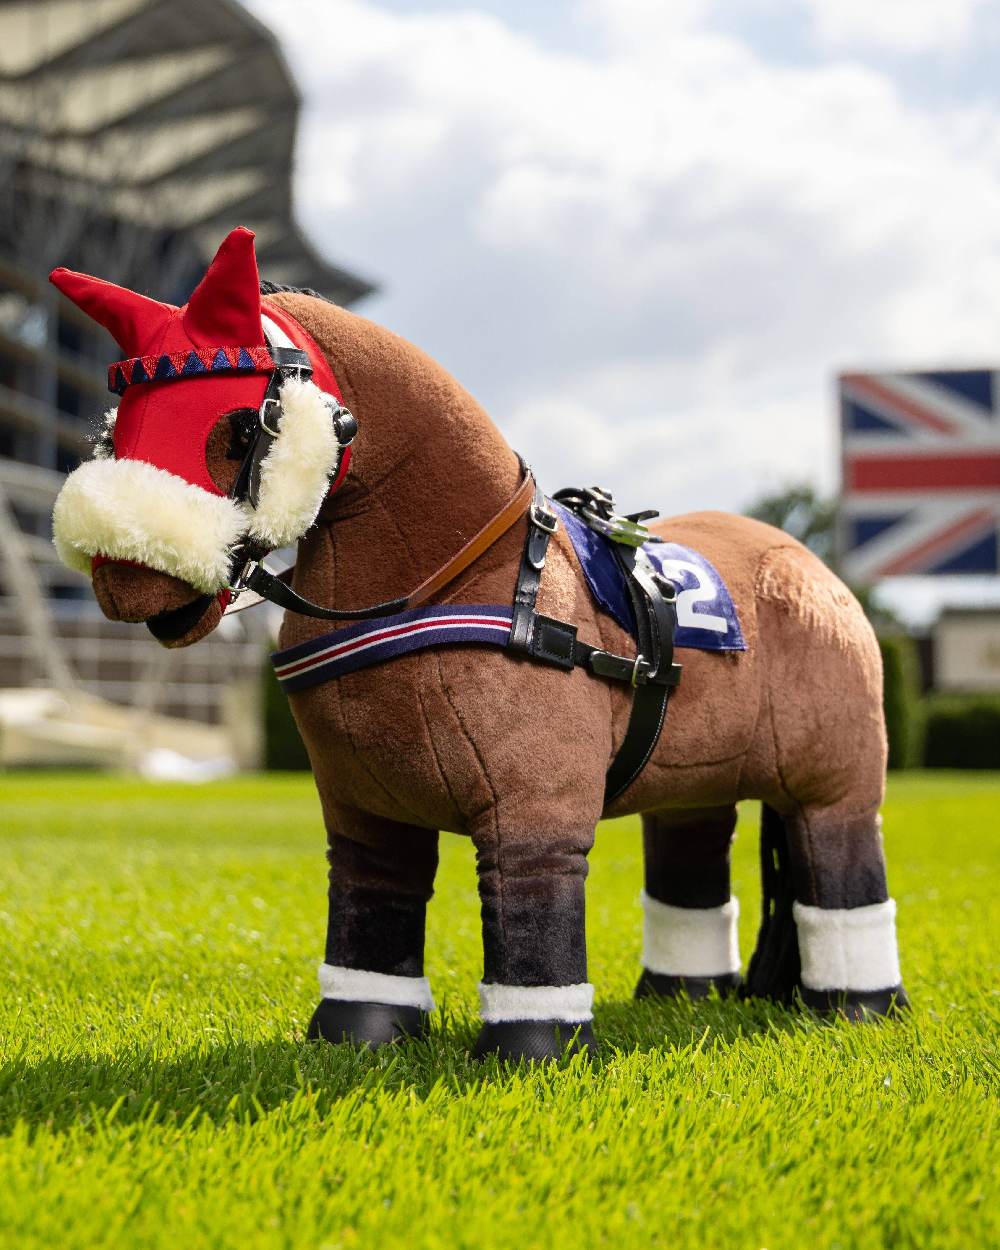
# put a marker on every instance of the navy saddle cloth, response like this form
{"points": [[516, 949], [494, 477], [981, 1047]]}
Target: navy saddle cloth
{"points": [[706, 614]]}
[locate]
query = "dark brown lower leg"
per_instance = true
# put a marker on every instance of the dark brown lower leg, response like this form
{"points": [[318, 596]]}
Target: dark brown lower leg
{"points": [[378, 899], [535, 994], [689, 932], [372, 977], [844, 918]]}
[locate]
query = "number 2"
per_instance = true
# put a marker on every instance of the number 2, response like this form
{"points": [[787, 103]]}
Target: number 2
{"points": [[698, 593]]}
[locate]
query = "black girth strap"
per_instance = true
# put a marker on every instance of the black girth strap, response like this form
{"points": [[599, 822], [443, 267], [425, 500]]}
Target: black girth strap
{"points": [[652, 673], [656, 622]]}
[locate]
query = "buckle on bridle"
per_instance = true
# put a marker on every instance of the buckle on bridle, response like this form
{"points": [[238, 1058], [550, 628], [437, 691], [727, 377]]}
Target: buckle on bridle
{"points": [[239, 583], [262, 416], [543, 518]]}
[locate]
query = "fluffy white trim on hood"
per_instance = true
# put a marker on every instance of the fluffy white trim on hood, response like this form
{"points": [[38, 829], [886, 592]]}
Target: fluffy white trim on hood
{"points": [[295, 473], [130, 510]]}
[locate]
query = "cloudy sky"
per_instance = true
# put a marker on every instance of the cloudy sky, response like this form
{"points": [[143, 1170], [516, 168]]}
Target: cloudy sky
{"points": [[647, 235]]}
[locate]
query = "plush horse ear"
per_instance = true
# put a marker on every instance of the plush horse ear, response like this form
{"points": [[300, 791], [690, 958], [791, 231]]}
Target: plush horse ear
{"points": [[135, 321], [225, 307]]}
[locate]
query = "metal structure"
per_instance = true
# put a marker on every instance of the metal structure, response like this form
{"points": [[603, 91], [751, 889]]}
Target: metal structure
{"points": [[133, 135]]}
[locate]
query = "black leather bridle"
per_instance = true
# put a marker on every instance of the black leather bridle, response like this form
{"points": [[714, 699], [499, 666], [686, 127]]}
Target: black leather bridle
{"points": [[254, 431]]}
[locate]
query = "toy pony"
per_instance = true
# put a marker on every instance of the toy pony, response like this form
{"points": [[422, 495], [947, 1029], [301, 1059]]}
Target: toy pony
{"points": [[506, 670]]}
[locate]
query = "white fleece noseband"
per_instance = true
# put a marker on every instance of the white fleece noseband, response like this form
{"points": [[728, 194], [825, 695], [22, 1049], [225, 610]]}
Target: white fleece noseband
{"points": [[295, 474], [130, 510]]}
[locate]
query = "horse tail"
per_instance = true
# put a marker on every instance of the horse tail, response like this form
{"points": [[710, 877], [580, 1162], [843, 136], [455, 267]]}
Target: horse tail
{"points": [[774, 969]]}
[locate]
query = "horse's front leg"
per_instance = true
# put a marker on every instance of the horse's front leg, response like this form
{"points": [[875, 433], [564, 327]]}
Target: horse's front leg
{"points": [[372, 978], [535, 996]]}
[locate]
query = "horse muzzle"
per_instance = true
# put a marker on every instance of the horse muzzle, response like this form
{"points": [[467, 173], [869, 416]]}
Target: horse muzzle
{"points": [[175, 614]]}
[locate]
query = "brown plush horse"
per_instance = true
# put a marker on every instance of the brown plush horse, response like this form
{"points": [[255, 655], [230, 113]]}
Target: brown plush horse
{"points": [[473, 738]]}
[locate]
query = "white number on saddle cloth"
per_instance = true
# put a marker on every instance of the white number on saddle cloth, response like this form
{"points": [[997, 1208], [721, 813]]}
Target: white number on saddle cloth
{"points": [[706, 614]]}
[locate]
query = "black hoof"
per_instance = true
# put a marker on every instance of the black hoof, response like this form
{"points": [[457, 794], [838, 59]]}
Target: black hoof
{"points": [[857, 1005], [663, 985], [533, 1039], [365, 1024]]}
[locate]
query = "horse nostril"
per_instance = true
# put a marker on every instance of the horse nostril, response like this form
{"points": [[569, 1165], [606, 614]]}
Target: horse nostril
{"points": [[130, 592], [103, 583]]}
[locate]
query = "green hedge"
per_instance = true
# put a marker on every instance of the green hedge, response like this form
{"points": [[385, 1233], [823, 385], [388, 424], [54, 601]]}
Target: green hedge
{"points": [[901, 700], [283, 746], [963, 731]]}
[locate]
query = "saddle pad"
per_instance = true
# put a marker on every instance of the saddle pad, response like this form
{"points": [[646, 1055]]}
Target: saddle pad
{"points": [[706, 614]]}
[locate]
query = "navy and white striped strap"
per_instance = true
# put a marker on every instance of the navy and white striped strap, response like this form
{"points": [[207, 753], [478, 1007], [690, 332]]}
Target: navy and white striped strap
{"points": [[370, 642]]}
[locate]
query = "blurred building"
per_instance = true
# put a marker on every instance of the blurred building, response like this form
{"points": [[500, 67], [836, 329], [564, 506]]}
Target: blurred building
{"points": [[133, 135]]}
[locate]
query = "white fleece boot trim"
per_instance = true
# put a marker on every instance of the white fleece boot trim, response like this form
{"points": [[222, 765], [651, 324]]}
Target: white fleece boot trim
{"points": [[848, 949], [690, 941], [295, 474], [355, 985], [130, 510], [569, 1004]]}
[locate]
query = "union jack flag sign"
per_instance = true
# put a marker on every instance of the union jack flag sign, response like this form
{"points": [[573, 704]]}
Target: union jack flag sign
{"points": [[921, 473]]}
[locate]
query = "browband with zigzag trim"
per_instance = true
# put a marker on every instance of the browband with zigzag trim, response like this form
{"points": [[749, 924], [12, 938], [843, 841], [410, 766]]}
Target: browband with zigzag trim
{"points": [[197, 360]]}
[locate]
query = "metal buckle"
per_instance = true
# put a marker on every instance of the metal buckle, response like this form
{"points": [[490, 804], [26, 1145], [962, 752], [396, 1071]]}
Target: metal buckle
{"points": [[666, 588], [238, 584], [269, 399], [639, 667], [543, 518]]}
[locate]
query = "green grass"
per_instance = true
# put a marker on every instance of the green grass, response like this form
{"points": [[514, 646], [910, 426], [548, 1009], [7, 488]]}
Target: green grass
{"points": [[160, 946]]}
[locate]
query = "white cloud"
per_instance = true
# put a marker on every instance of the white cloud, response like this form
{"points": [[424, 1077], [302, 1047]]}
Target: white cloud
{"points": [[905, 26], [649, 261]]}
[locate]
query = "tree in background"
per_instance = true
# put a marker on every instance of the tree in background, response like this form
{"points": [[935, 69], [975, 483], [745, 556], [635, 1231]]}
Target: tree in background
{"points": [[801, 512]]}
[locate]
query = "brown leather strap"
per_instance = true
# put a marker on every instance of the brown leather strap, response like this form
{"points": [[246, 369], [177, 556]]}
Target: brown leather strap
{"points": [[255, 577], [512, 511]]}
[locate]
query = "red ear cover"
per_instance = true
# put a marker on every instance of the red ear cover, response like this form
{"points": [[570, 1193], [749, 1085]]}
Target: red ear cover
{"points": [[136, 322], [225, 306]]}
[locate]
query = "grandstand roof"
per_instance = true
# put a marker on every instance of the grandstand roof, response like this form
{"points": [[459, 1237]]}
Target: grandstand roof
{"points": [[181, 113]]}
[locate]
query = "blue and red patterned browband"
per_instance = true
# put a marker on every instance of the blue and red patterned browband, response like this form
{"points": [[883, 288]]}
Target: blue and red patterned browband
{"points": [[192, 363]]}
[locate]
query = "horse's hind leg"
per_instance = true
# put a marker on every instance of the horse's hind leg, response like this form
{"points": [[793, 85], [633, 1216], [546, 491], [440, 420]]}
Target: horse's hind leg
{"points": [[829, 925], [689, 918], [372, 981]]}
